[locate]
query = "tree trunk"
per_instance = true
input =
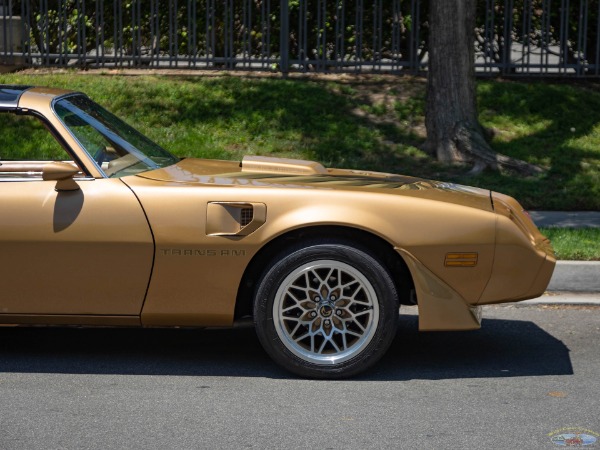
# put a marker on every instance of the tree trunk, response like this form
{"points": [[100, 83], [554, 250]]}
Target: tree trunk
{"points": [[453, 130]]}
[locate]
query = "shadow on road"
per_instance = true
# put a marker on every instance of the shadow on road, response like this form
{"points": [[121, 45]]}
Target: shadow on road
{"points": [[502, 348]]}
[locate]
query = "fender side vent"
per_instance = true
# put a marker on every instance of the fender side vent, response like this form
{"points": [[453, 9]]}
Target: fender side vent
{"points": [[246, 216], [234, 218]]}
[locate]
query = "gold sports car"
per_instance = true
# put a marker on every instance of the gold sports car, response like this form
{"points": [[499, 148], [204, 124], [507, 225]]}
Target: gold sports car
{"points": [[119, 232]]}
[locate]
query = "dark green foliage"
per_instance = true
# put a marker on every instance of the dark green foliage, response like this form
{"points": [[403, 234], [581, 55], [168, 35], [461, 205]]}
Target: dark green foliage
{"points": [[220, 29]]}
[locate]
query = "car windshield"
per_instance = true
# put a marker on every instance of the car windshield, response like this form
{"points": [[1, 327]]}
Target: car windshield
{"points": [[117, 148]]}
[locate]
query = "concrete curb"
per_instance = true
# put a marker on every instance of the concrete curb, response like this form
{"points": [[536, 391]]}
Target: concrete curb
{"points": [[576, 276], [565, 298], [572, 283]]}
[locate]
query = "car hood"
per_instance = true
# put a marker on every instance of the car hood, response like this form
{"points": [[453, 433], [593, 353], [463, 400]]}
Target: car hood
{"points": [[256, 171]]}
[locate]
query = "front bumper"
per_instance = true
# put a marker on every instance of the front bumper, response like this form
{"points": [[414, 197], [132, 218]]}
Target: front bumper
{"points": [[523, 259]]}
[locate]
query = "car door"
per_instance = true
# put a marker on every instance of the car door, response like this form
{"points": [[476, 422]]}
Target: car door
{"points": [[87, 251]]}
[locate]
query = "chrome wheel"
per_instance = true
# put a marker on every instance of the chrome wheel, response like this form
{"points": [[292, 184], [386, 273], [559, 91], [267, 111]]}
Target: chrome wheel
{"points": [[325, 312], [326, 309]]}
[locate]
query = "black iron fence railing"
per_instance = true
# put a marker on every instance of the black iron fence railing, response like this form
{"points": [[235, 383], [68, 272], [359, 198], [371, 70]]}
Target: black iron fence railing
{"points": [[513, 37]]}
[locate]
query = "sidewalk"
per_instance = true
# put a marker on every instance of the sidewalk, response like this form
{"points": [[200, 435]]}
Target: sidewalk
{"points": [[568, 219]]}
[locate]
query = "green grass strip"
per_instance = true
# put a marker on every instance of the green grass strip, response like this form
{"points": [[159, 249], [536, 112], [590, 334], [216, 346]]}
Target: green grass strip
{"points": [[577, 244], [371, 123]]}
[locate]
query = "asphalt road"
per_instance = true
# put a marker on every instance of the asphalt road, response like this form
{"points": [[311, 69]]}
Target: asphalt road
{"points": [[529, 372]]}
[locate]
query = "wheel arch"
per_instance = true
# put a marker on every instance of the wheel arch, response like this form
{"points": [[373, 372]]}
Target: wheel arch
{"points": [[368, 242]]}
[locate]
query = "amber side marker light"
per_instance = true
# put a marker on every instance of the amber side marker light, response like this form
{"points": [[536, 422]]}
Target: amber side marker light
{"points": [[461, 260]]}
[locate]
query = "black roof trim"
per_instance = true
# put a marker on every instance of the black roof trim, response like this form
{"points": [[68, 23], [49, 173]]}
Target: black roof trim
{"points": [[10, 94]]}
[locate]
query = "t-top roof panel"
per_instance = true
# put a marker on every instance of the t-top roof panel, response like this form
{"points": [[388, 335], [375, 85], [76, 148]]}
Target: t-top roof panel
{"points": [[9, 95]]}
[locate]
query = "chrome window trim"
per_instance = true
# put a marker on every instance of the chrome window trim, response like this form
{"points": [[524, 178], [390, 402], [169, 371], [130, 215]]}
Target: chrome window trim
{"points": [[90, 159]]}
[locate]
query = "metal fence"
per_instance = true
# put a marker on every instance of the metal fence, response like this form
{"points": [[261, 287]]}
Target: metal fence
{"points": [[513, 37]]}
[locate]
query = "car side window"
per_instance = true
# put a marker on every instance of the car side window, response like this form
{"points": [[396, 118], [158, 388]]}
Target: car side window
{"points": [[27, 146]]}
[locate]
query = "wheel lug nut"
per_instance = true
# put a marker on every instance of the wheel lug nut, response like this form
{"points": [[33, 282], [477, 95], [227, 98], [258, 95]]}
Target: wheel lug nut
{"points": [[316, 299], [333, 298], [339, 312], [313, 314], [327, 323]]}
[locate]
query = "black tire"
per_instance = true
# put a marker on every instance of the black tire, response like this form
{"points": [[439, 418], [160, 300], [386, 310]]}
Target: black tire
{"points": [[326, 310]]}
